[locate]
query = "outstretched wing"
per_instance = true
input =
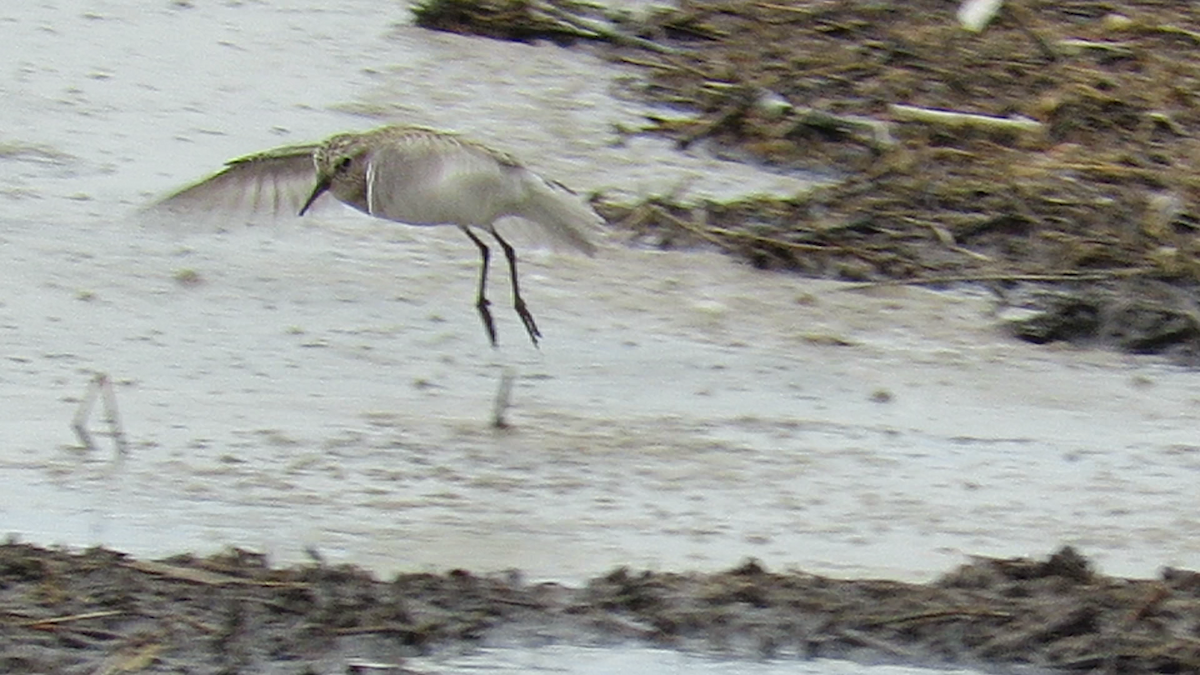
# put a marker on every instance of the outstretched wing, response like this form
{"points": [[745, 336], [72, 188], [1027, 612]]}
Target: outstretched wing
{"points": [[274, 183]]}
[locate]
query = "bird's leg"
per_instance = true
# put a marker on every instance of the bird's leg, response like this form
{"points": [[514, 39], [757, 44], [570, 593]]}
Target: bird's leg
{"points": [[518, 303], [481, 302]]}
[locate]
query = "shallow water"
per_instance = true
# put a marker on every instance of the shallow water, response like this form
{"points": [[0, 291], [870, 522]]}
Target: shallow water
{"points": [[595, 661], [327, 384]]}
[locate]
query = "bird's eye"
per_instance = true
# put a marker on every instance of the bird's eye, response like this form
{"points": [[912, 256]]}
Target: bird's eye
{"points": [[344, 163]]}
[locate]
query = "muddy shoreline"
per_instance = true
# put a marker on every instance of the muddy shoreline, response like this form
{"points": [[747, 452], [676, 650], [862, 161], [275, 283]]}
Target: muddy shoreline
{"points": [[102, 611], [1048, 157], [315, 384]]}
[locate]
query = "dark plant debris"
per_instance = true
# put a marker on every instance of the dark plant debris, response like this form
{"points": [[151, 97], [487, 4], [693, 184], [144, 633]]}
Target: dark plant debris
{"points": [[563, 21], [103, 611], [1068, 161]]}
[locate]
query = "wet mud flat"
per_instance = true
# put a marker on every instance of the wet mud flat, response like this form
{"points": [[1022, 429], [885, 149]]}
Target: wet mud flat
{"points": [[102, 611], [1050, 157]]}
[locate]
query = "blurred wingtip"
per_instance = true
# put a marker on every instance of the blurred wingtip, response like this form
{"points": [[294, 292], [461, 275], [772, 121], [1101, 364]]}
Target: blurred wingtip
{"points": [[254, 189]]}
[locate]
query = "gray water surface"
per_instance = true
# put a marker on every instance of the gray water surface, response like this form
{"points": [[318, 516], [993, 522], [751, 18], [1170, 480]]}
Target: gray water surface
{"points": [[327, 383]]}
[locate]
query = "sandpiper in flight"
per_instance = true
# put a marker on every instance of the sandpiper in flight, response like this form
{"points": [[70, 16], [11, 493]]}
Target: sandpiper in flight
{"points": [[410, 175]]}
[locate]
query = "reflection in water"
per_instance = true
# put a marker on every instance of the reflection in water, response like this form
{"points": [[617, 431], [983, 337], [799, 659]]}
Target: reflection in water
{"points": [[610, 660], [309, 385]]}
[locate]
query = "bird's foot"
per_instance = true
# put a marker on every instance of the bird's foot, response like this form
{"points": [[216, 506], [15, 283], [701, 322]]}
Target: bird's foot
{"points": [[488, 323], [527, 319]]}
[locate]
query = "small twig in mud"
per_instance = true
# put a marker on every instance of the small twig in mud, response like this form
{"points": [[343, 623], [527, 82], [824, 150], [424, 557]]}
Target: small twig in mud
{"points": [[100, 385], [859, 637], [1124, 273], [946, 238], [131, 658], [204, 577], [1154, 599], [1168, 29], [599, 30], [377, 629], [1021, 17], [874, 133], [354, 666], [527, 20], [805, 10], [781, 243], [205, 628], [730, 118], [950, 118], [1109, 170], [503, 398], [937, 615], [53, 621], [1075, 46], [718, 235], [667, 65], [686, 226], [1068, 618]]}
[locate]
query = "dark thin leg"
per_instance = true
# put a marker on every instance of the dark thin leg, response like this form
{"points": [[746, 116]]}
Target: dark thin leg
{"points": [[481, 302], [518, 303]]}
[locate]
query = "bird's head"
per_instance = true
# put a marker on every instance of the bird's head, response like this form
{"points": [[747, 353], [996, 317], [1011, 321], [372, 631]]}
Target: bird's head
{"points": [[341, 164]]}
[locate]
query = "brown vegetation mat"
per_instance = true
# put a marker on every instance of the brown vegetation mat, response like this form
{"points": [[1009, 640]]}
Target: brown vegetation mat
{"points": [[100, 611], [1085, 182]]}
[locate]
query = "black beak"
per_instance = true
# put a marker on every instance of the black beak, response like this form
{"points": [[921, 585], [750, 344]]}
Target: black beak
{"points": [[321, 187]]}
